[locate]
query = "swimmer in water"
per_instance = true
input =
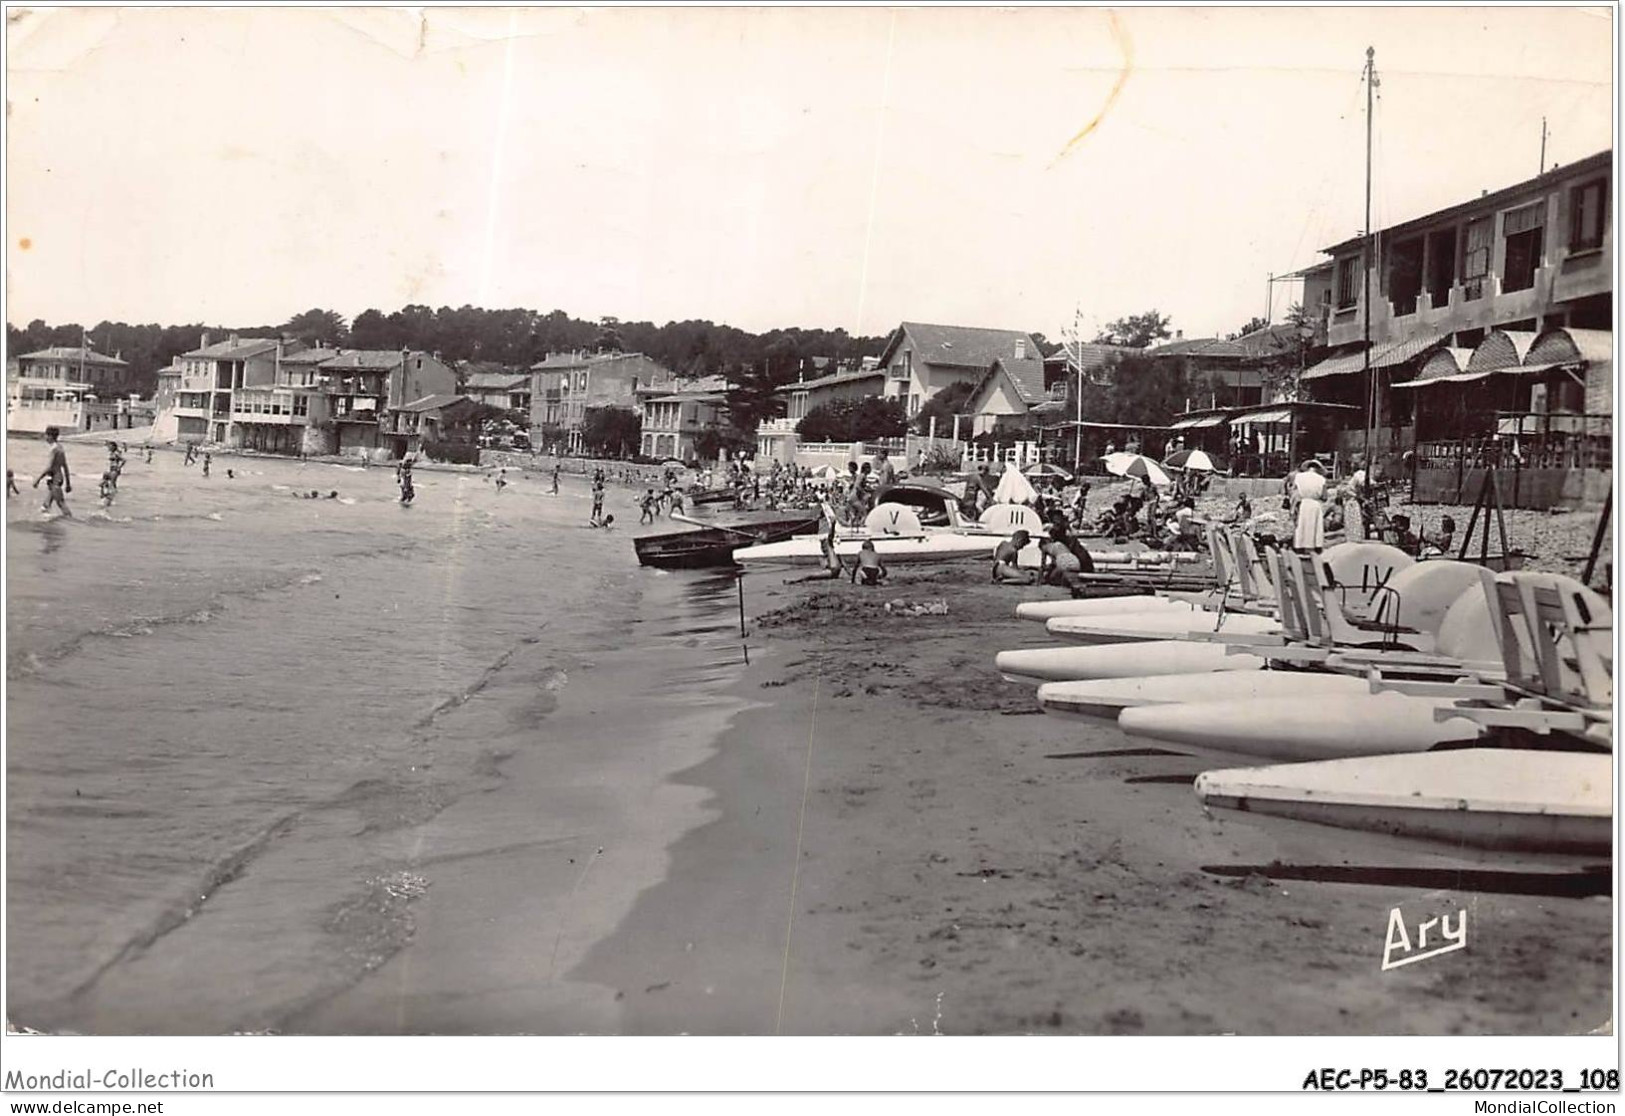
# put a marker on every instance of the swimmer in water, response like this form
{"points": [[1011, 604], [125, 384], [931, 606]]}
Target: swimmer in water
{"points": [[230, 475], [206, 459], [502, 479], [408, 492], [58, 482], [607, 521], [11, 484], [109, 489], [555, 478]]}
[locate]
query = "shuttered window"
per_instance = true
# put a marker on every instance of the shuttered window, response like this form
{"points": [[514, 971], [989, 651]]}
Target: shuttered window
{"points": [[1475, 257], [1586, 206]]}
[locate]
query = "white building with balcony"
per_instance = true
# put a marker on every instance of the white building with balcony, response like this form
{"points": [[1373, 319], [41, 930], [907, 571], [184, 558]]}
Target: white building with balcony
{"points": [[54, 387]]}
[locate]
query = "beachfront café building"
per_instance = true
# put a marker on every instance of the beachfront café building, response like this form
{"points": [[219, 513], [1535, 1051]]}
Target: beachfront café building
{"points": [[1478, 283]]}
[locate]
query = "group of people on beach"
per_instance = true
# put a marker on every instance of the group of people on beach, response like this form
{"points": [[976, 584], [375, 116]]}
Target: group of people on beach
{"points": [[59, 480]]}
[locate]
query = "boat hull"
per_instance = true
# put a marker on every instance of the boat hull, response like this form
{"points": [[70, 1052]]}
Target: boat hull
{"points": [[709, 547], [933, 546], [1042, 611], [1493, 798], [1301, 729], [1157, 624], [1066, 664], [1105, 698]]}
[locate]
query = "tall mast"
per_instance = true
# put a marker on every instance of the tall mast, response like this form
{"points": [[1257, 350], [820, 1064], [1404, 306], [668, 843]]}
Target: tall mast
{"points": [[1369, 261], [1077, 431]]}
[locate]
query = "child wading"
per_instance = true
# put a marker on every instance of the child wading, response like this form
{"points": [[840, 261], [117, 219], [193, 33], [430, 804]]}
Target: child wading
{"points": [[408, 493]]}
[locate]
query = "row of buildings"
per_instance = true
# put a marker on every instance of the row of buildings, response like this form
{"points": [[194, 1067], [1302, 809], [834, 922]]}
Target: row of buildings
{"points": [[1474, 335], [284, 396]]}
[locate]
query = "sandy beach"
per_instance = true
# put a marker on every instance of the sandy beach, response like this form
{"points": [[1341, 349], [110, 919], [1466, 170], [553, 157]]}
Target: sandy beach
{"points": [[888, 839], [980, 869]]}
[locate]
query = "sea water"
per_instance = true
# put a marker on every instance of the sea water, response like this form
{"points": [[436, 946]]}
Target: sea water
{"points": [[212, 668]]}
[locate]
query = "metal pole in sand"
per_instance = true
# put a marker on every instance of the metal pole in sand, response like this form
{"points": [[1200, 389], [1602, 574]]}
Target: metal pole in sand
{"points": [[739, 580]]}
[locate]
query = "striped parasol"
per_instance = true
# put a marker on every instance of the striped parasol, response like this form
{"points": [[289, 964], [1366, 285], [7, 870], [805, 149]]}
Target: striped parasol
{"points": [[1193, 460], [1136, 465]]}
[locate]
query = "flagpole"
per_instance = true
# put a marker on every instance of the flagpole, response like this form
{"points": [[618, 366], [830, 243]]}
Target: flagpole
{"points": [[1077, 431], [1369, 262]]}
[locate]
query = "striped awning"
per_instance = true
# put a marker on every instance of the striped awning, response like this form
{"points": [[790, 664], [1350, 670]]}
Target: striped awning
{"points": [[1283, 414], [1339, 365], [1565, 346], [1443, 366], [1456, 378], [1502, 349], [1406, 350], [1190, 422]]}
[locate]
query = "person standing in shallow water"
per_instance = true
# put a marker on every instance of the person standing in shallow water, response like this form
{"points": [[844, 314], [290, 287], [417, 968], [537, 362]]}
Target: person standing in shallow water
{"points": [[57, 481], [206, 459]]}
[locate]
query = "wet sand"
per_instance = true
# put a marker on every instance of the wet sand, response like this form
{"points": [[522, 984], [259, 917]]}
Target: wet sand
{"points": [[890, 839], [962, 868]]}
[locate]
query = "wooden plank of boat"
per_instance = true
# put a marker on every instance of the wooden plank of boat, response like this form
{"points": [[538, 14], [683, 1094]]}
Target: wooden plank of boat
{"points": [[1096, 606], [1156, 624], [711, 496], [714, 546], [1119, 660], [1496, 798], [1317, 727], [1105, 698]]}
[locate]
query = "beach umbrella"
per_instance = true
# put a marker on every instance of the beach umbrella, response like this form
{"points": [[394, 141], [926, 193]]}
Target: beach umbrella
{"points": [[826, 472], [1137, 465], [1193, 459], [1045, 469], [1014, 488]]}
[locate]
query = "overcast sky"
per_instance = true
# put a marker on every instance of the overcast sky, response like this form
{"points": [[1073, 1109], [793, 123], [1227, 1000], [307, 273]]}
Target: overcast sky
{"points": [[763, 167]]}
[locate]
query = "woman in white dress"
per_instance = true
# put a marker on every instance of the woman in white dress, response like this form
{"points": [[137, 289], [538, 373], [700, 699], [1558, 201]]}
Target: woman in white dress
{"points": [[1309, 486]]}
